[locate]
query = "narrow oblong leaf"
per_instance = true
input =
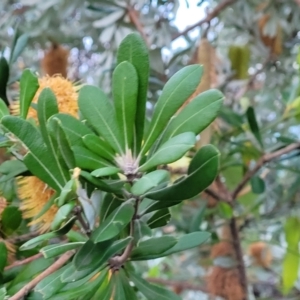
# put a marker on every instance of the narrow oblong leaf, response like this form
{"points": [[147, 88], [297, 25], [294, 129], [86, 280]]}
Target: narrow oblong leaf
{"points": [[257, 185], [98, 146], [170, 151], [62, 214], [152, 292], [189, 241], [198, 218], [201, 173], [292, 257], [176, 91], [4, 111], [18, 48], [11, 218], [85, 159], [4, 76], [58, 249], [39, 239], [254, 125], [149, 181], [74, 129], [47, 107], [134, 50], [38, 160], [113, 225], [160, 218], [29, 84], [197, 115], [3, 256], [106, 171], [125, 92], [98, 111], [153, 247]]}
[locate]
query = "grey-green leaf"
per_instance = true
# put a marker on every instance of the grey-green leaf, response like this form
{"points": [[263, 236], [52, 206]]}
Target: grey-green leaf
{"points": [[170, 151], [176, 91], [197, 115], [134, 50], [149, 181], [98, 111], [125, 92], [201, 173], [113, 225], [29, 84]]}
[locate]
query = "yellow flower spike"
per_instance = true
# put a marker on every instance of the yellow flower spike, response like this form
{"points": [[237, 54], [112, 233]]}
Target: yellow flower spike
{"points": [[34, 193]]}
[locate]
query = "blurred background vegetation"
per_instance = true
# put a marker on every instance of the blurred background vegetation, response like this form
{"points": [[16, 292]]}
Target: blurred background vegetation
{"points": [[250, 51]]}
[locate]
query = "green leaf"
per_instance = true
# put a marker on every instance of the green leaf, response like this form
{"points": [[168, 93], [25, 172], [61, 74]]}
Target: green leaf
{"points": [[38, 160], [152, 205], [149, 181], [88, 254], [62, 142], [29, 84], [11, 218], [125, 91], [47, 236], [292, 257], [253, 125], [107, 171], [98, 146], [82, 290], [3, 293], [176, 91], [58, 249], [68, 193], [74, 129], [108, 251], [47, 107], [19, 47], [122, 282], [62, 215], [86, 159], [160, 218], [189, 241], [3, 256], [170, 151], [4, 111], [134, 50], [257, 185], [152, 247], [4, 76], [225, 210], [197, 115], [152, 292], [72, 275], [98, 111], [108, 205], [198, 218], [201, 173], [113, 225], [11, 169], [50, 285]]}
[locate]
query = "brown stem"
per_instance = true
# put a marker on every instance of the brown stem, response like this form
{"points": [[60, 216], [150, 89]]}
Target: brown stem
{"points": [[29, 286], [85, 226], [263, 160], [219, 8], [22, 238], [239, 255], [181, 285], [116, 262], [137, 23], [24, 261]]}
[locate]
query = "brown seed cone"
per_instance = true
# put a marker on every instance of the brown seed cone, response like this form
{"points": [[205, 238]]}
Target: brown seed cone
{"points": [[261, 254], [225, 283], [55, 61]]}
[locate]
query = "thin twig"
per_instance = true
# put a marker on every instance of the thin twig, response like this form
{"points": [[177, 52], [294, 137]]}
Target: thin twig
{"points": [[23, 261], [181, 285], [262, 161], [29, 286], [137, 23], [78, 212], [22, 238], [236, 241], [207, 19]]}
